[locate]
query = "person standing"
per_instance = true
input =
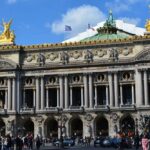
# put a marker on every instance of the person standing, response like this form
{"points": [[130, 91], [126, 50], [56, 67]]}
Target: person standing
{"points": [[38, 142], [145, 143]]}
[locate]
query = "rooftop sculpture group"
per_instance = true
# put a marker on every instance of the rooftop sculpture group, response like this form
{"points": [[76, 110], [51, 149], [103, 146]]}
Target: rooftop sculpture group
{"points": [[7, 36]]}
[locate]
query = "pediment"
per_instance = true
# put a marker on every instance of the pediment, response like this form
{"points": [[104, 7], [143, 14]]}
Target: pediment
{"points": [[144, 55], [7, 64]]}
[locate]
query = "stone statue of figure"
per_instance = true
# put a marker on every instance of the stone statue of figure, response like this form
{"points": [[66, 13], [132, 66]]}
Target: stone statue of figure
{"points": [[110, 22]]}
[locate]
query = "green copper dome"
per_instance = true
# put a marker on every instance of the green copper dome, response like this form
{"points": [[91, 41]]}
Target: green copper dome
{"points": [[108, 31]]}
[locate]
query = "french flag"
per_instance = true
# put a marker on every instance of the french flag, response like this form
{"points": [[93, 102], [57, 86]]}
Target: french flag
{"points": [[89, 27]]}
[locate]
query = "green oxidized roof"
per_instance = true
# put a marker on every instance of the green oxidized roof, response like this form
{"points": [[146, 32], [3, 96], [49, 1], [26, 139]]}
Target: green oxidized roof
{"points": [[108, 31]]}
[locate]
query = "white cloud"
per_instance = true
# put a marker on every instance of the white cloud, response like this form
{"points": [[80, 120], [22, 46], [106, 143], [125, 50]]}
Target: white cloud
{"points": [[78, 18], [11, 1], [135, 21]]}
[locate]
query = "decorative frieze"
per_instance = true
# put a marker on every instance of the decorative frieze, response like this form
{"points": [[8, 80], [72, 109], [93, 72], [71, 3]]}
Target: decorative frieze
{"points": [[99, 52], [52, 56], [76, 54]]}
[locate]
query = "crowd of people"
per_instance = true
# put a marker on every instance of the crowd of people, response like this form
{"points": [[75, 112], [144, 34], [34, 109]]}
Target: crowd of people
{"points": [[27, 142]]}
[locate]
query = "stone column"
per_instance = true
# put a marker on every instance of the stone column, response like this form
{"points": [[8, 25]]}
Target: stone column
{"points": [[139, 88], [90, 90], [145, 88], [37, 93], [107, 101], [24, 98], [67, 128], [34, 98], [95, 95], [71, 96], [58, 97], [85, 90], [121, 96], [6, 99], [61, 91], [66, 92], [19, 91], [133, 100], [42, 93], [111, 95], [9, 94], [82, 97], [116, 89], [47, 98], [14, 95]]}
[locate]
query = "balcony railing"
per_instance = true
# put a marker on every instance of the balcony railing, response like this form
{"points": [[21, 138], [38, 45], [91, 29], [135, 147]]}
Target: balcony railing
{"points": [[27, 110]]}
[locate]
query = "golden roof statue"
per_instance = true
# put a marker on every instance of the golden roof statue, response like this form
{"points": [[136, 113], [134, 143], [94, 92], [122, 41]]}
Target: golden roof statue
{"points": [[7, 36]]}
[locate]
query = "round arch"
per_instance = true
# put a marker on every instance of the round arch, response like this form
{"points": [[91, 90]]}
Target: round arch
{"points": [[127, 125], [76, 127], [27, 127], [51, 128], [101, 126]]}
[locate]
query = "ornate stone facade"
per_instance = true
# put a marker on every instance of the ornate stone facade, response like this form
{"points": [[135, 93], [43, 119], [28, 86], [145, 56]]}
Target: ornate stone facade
{"points": [[80, 89]]}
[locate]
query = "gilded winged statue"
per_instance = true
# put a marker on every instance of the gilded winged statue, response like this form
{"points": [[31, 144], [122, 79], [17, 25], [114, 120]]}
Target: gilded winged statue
{"points": [[147, 26], [7, 36]]}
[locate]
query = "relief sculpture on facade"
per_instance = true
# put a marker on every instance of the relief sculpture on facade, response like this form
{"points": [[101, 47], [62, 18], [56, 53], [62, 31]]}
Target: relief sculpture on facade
{"points": [[113, 54], [41, 59], [64, 58], [88, 56]]}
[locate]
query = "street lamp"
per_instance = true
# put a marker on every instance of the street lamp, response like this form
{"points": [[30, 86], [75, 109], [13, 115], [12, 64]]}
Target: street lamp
{"points": [[60, 110]]}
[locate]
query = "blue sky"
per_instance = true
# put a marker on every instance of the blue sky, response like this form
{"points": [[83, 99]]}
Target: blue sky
{"points": [[43, 21]]}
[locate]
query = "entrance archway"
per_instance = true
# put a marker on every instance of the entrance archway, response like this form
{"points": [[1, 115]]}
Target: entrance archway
{"points": [[127, 125], [101, 126], [51, 128], [27, 128], [76, 127], [2, 127]]}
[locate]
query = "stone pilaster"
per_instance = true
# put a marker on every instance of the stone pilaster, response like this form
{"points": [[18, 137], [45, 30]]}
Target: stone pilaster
{"points": [[37, 93], [139, 88], [14, 95], [66, 92], [42, 93], [9, 94], [61, 81], [116, 89], [146, 88], [91, 90], [111, 95], [85, 90]]}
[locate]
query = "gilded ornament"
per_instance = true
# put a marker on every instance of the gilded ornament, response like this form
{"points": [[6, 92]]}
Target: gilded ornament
{"points": [[7, 36]]}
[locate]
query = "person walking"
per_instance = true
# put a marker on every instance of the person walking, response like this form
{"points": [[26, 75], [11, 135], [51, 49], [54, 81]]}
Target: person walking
{"points": [[38, 142], [145, 143], [136, 141]]}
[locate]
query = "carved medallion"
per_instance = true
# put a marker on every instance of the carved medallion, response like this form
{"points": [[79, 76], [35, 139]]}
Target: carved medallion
{"points": [[52, 56], [88, 117], [100, 52], [76, 54], [30, 57]]}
